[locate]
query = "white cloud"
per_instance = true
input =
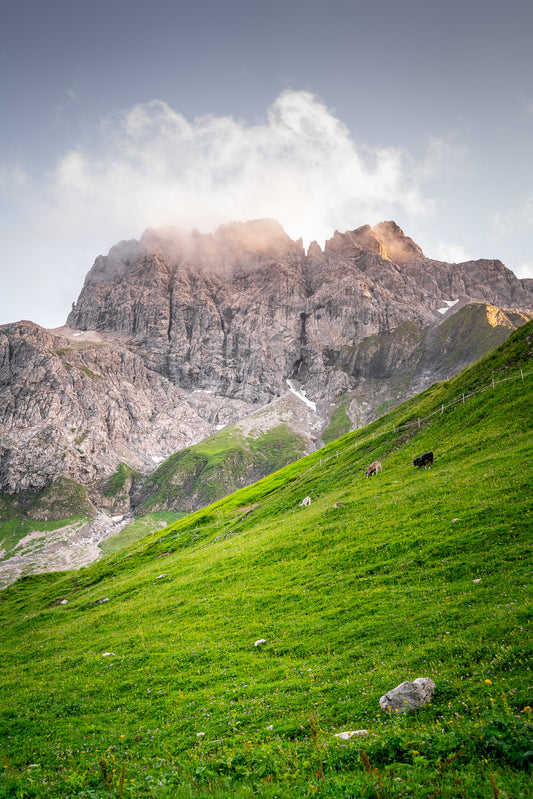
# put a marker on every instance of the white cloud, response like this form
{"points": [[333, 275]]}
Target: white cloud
{"points": [[451, 253], [524, 269], [445, 157], [153, 167], [149, 166], [517, 220]]}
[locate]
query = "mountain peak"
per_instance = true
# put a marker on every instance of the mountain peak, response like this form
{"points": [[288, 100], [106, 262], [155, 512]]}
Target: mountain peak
{"points": [[387, 239], [397, 245]]}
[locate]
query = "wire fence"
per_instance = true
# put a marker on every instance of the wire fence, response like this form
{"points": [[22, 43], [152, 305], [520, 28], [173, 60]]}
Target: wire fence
{"points": [[190, 534]]}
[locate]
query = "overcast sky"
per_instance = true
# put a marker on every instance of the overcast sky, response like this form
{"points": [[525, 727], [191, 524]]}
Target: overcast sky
{"points": [[122, 115]]}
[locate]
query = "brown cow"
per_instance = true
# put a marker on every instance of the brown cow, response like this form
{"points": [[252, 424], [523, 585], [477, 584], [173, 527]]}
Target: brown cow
{"points": [[374, 468]]}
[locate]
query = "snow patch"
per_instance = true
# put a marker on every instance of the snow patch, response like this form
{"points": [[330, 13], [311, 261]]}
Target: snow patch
{"points": [[295, 388], [449, 304]]}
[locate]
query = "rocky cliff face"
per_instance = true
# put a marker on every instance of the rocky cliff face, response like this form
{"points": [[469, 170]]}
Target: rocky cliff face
{"points": [[77, 406], [240, 311], [179, 334]]}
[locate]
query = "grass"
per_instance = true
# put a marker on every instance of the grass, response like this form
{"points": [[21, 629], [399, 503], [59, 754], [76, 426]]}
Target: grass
{"points": [[138, 529], [340, 421], [61, 500], [118, 484], [217, 466], [13, 530], [161, 692]]}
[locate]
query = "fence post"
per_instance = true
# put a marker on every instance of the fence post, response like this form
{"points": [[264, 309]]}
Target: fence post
{"points": [[463, 398], [419, 422], [492, 382], [441, 409], [522, 373]]}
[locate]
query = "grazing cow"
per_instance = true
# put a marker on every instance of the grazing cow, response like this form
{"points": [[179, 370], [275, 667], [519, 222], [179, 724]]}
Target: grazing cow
{"points": [[305, 502], [374, 468], [424, 460]]}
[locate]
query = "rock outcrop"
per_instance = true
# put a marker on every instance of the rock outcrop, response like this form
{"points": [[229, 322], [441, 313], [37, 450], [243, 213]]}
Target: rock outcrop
{"points": [[408, 696], [77, 406]]}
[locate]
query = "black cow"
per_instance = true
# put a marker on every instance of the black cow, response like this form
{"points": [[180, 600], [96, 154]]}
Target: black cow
{"points": [[424, 460]]}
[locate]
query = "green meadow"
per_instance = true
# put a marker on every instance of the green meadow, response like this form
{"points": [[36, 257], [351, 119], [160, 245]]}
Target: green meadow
{"points": [[139, 676]]}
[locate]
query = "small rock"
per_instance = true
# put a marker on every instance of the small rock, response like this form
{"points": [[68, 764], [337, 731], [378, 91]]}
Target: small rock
{"points": [[408, 695], [200, 734], [161, 576], [260, 642], [97, 602], [345, 736], [477, 580], [108, 654]]}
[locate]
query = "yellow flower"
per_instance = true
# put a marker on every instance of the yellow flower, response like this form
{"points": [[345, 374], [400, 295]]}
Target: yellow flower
{"points": [[489, 682]]}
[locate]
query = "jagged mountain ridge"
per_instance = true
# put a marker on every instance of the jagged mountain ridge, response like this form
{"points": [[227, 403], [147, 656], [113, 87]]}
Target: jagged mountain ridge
{"points": [[244, 309], [179, 334]]}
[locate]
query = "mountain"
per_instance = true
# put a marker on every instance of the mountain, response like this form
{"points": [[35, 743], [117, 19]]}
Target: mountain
{"points": [[240, 311], [221, 656], [179, 335]]}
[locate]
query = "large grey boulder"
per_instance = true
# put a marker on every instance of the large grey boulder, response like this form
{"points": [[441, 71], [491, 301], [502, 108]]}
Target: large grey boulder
{"points": [[408, 695]]}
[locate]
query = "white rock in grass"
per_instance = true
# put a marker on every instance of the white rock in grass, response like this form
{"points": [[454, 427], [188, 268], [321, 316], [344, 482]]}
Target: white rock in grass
{"points": [[345, 736], [260, 642], [408, 695], [478, 580], [108, 654]]}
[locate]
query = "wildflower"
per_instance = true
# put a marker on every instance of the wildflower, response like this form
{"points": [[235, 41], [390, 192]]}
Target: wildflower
{"points": [[489, 682]]}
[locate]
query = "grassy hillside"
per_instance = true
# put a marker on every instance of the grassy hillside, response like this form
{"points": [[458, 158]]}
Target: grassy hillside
{"points": [[217, 466], [160, 691]]}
